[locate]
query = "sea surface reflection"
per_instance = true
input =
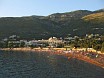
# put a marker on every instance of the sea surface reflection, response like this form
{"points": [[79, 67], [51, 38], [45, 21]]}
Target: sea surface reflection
{"points": [[45, 65]]}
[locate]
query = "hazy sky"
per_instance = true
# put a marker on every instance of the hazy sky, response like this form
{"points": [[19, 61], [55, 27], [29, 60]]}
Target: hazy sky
{"points": [[9, 8]]}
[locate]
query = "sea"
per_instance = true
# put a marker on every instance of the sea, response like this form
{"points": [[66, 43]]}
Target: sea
{"points": [[18, 64]]}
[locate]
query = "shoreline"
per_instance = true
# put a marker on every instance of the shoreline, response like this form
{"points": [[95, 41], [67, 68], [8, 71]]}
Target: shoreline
{"points": [[61, 51]]}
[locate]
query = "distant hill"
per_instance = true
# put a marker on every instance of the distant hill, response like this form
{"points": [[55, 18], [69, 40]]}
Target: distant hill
{"points": [[67, 17], [100, 10], [95, 18], [78, 22]]}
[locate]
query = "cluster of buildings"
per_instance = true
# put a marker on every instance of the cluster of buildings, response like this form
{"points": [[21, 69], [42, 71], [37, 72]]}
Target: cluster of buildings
{"points": [[16, 41]]}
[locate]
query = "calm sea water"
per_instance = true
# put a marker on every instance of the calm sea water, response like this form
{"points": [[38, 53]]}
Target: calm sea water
{"points": [[44, 65]]}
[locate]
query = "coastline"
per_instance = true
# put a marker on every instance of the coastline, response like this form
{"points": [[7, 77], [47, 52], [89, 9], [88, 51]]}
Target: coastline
{"points": [[60, 51]]}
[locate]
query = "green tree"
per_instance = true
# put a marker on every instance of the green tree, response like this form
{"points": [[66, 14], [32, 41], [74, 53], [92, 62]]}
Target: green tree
{"points": [[22, 44], [102, 49], [97, 47], [10, 45]]}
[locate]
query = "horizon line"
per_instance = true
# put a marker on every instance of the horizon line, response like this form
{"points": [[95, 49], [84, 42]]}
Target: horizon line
{"points": [[50, 13]]}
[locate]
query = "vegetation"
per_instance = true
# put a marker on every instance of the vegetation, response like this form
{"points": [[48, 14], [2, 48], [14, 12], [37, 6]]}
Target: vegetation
{"points": [[95, 18], [78, 23], [102, 49], [89, 41], [59, 25], [85, 42]]}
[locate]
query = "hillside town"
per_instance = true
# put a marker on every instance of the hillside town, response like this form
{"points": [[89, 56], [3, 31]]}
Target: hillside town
{"points": [[95, 42], [89, 48]]}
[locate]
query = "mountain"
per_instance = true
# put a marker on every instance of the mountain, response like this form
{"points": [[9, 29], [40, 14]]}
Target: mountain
{"points": [[68, 16], [78, 22], [100, 10], [95, 18]]}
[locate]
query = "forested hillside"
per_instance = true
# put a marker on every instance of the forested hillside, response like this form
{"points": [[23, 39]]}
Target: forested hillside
{"points": [[78, 22]]}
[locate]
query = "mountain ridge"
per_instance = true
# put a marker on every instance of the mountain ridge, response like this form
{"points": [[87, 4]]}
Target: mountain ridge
{"points": [[58, 24]]}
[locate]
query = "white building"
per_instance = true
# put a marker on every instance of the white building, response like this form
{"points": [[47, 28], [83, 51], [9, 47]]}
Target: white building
{"points": [[52, 41]]}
